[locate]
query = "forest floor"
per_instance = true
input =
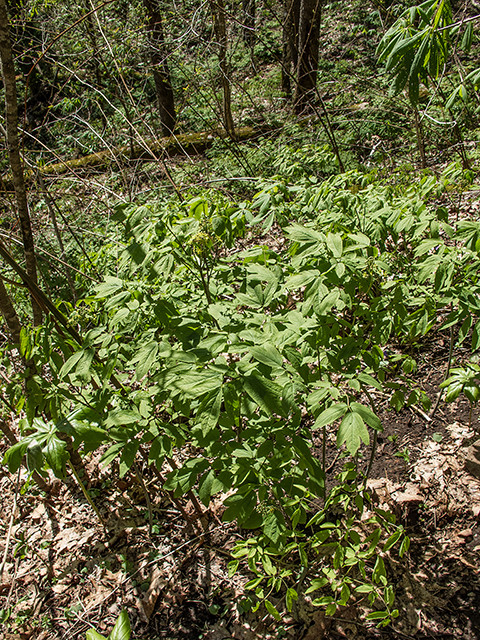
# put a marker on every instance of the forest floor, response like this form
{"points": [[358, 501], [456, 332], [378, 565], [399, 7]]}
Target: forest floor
{"points": [[68, 573]]}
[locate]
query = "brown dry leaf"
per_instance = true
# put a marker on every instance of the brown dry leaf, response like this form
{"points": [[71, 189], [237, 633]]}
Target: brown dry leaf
{"points": [[410, 493], [99, 595], [65, 538], [38, 513], [60, 588], [159, 580], [112, 578]]}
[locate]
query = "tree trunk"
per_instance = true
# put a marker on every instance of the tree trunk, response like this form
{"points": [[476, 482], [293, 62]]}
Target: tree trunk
{"points": [[161, 73], [90, 30], [248, 31], [11, 118], [8, 312], [218, 12], [290, 43], [307, 65], [25, 39]]}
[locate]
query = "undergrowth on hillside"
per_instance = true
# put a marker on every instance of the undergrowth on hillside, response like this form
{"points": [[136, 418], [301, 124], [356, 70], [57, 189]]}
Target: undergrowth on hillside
{"points": [[225, 335]]}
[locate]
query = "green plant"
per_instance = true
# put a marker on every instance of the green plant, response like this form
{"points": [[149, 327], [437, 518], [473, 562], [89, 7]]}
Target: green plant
{"points": [[121, 630], [416, 49], [247, 354], [464, 380]]}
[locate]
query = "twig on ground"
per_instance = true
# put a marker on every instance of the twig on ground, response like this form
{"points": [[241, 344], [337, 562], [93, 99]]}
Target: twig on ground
{"points": [[10, 527], [421, 413]]}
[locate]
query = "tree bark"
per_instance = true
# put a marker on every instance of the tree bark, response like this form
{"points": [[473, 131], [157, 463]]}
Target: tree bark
{"points": [[290, 43], [8, 312], [307, 65], [218, 12], [161, 72], [11, 118]]}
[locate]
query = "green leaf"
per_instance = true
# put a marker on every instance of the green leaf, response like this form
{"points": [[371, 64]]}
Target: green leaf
{"points": [[379, 574], [109, 287], [351, 431], [326, 304], [14, 455], [34, 454], [467, 38], [298, 280], [146, 357], [392, 540], [121, 630], [267, 354], [56, 455], [317, 583], [239, 507], [266, 393], [273, 527], [26, 343], [331, 414], [272, 611], [404, 546], [209, 411], [94, 635], [111, 454], [128, 456], [377, 615], [335, 244], [367, 415], [232, 567], [198, 383], [70, 363], [205, 487], [290, 598], [122, 417], [344, 595]]}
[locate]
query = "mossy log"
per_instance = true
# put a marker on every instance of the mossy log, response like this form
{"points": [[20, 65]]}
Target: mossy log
{"points": [[181, 144]]}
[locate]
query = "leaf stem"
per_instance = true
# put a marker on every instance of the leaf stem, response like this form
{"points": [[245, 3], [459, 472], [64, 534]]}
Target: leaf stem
{"points": [[86, 494]]}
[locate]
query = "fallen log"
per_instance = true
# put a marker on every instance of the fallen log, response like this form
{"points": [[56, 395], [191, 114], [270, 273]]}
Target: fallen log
{"points": [[181, 144]]}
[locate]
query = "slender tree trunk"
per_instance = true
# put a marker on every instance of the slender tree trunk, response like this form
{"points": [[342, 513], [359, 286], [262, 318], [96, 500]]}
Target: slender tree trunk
{"points": [[290, 43], [308, 39], [90, 29], [248, 30], [11, 118], [248, 8], [8, 312], [161, 72], [218, 12], [420, 138], [25, 40]]}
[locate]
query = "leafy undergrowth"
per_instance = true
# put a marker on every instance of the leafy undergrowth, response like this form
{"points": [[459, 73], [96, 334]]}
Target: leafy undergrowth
{"points": [[69, 575], [228, 351]]}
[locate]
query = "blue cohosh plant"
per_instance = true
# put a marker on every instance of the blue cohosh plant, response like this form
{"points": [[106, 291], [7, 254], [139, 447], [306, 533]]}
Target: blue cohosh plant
{"points": [[250, 357]]}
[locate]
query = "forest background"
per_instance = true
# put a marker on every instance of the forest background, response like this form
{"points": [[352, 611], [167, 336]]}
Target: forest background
{"points": [[236, 240]]}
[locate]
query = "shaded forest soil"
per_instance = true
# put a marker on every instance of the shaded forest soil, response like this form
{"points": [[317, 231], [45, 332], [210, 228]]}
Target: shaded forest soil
{"points": [[65, 573]]}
